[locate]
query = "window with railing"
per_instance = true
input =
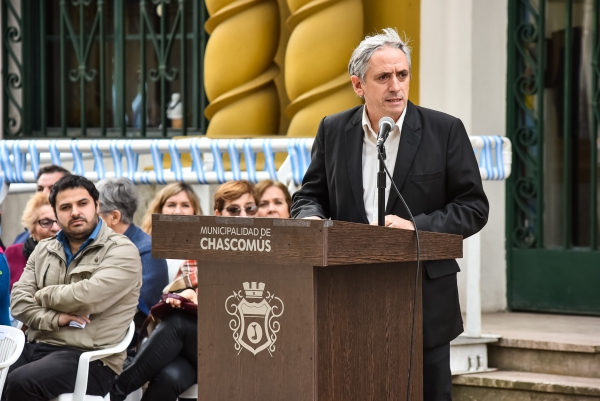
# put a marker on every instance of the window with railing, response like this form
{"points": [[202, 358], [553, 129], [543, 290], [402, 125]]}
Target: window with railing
{"points": [[103, 68], [553, 122]]}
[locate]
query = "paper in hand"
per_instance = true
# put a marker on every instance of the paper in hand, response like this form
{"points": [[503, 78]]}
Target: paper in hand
{"points": [[78, 325]]}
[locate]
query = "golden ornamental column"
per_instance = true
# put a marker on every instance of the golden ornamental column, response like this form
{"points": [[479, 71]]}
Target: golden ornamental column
{"points": [[406, 18], [324, 34], [239, 69]]}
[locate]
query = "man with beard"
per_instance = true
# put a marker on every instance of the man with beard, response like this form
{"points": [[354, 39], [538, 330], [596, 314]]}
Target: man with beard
{"points": [[79, 292]]}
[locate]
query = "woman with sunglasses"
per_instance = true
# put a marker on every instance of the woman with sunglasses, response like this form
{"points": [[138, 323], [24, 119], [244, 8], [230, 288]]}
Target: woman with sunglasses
{"points": [[40, 221], [169, 359], [236, 198]]}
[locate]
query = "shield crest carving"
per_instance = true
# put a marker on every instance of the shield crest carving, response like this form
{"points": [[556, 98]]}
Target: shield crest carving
{"points": [[254, 323]]}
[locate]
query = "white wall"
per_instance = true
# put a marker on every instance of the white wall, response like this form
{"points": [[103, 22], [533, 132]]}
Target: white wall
{"points": [[463, 73]]}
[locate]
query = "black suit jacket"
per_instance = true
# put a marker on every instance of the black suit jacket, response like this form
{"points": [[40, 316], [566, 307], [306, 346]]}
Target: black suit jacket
{"points": [[438, 176]]}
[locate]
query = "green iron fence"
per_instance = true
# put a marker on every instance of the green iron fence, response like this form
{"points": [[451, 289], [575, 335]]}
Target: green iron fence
{"points": [[525, 78], [102, 68], [553, 121]]}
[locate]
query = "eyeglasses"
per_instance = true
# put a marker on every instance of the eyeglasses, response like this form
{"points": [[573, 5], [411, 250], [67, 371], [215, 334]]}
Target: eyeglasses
{"points": [[236, 210], [46, 223]]}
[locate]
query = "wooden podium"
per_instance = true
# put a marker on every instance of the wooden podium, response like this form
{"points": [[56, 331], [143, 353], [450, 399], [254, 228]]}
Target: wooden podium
{"points": [[303, 309]]}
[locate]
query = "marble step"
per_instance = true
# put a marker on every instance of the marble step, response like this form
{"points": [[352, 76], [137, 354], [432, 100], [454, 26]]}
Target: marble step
{"points": [[544, 343], [541, 356], [524, 386]]}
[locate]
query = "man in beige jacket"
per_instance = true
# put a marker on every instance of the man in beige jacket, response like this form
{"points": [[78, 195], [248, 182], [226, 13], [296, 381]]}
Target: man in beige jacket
{"points": [[79, 292]]}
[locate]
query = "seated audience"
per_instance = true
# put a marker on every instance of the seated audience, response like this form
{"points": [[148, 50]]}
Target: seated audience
{"points": [[169, 359], [118, 203], [46, 177], [4, 291], [176, 198], [78, 293], [40, 221], [274, 199]]}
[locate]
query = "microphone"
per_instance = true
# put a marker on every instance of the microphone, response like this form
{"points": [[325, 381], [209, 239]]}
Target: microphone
{"points": [[386, 125]]}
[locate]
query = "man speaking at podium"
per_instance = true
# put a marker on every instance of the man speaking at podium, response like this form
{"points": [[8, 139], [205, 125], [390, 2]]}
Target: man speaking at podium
{"points": [[433, 164]]}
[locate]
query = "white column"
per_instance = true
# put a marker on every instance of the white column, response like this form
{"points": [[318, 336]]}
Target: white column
{"points": [[473, 326]]}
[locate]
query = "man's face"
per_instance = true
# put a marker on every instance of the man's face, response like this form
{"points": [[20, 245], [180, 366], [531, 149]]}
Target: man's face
{"points": [[386, 84], [44, 184], [76, 213]]}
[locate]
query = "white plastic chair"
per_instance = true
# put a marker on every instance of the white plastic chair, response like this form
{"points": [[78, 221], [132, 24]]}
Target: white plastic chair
{"points": [[12, 341], [83, 368], [190, 393]]}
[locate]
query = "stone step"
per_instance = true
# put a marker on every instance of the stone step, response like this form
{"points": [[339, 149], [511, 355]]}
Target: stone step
{"points": [[551, 357], [524, 386]]}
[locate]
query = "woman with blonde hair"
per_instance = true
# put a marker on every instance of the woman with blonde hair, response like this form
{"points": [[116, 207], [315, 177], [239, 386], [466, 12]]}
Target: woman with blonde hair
{"points": [[40, 221], [176, 198]]}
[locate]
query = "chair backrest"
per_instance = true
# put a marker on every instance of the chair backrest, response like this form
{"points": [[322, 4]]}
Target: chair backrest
{"points": [[12, 341]]}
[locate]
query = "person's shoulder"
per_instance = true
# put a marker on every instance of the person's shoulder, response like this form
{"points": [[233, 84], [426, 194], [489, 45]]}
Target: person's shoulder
{"points": [[46, 243], [137, 235], [21, 238], [109, 237], [119, 239], [44, 248], [16, 248], [344, 116], [141, 240]]}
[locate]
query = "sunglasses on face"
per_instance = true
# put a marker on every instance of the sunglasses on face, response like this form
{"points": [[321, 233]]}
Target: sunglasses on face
{"points": [[236, 210], [46, 223]]}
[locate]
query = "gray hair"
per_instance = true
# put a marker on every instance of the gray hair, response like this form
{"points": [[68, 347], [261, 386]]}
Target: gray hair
{"points": [[359, 62], [118, 194]]}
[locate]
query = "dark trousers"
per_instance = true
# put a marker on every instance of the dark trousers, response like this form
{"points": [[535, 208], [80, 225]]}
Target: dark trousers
{"points": [[45, 371], [168, 360], [437, 379]]}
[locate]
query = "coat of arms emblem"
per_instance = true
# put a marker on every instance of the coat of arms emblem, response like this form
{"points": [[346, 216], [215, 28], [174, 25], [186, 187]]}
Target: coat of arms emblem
{"points": [[254, 323]]}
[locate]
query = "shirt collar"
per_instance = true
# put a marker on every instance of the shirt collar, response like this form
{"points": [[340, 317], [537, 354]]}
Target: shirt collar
{"points": [[366, 123], [62, 238]]}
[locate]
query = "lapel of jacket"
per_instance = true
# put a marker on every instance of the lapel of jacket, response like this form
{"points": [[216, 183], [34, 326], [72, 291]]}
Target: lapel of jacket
{"points": [[409, 143], [354, 145]]}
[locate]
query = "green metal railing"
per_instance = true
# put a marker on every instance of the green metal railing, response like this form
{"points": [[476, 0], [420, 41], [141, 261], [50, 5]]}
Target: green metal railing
{"points": [[525, 123], [527, 67], [12, 70], [553, 116], [58, 72]]}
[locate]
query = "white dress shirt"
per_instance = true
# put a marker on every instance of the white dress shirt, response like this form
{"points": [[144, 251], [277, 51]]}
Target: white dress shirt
{"points": [[370, 162]]}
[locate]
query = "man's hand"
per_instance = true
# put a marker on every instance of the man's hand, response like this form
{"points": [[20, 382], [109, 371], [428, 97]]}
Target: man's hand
{"points": [[312, 218], [394, 221], [65, 318]]}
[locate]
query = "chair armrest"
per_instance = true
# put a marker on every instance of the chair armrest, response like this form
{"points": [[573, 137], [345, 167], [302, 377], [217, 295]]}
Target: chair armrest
{"points": [[89, 356], [19, 338]]}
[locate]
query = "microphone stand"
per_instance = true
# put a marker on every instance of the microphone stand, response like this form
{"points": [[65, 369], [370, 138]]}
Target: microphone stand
{"points": [[381, 185]]}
